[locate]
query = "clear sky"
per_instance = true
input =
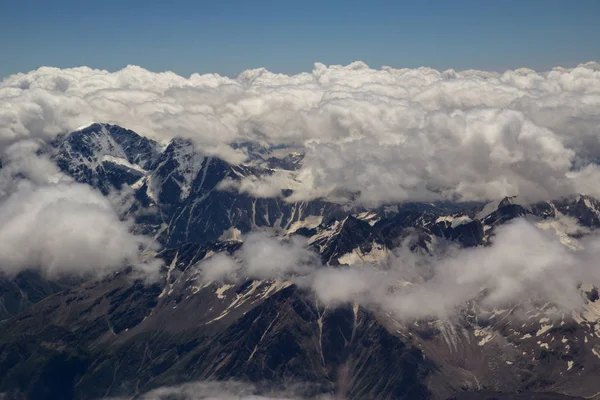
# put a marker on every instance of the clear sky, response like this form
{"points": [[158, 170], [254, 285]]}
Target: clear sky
{"points": [[229, 36]]}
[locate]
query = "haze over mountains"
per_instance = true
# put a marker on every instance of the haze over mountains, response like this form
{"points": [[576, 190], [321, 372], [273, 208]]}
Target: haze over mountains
{"points": [[349, 232]]}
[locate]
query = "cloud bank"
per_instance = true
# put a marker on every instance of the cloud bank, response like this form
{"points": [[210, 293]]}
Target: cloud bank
{"points": [[50, 223], [526, 265], [379, 135]]}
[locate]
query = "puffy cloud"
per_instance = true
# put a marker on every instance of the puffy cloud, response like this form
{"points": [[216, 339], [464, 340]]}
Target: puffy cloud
{"points": [[51, 223], [377, 136], [267, 257], [220, 267], [262, 257], [261, 186], [526, 264]]}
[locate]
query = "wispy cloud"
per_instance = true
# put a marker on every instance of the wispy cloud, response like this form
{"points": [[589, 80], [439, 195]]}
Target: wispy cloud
{"points": [[232, 390]]}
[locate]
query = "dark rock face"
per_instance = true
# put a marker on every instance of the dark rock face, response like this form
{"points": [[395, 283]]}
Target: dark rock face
{"points": [[469, 234], [122, 337], [26, 288], [95, 349], [348, 233]]}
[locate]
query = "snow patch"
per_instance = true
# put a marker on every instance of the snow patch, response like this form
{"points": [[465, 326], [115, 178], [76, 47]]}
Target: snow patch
{"points": [[455, 221], [368, 216], [377, 254], [122, 162], [220, 292], [485, 335], [543, 329], [309, 222], [82, 127]]}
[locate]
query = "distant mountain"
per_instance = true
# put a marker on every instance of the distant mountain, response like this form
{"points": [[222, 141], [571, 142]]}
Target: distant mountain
{"points": [[121, 337]]}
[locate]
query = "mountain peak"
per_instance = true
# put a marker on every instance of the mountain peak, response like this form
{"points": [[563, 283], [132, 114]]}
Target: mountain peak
{"points": [[103, 155]]}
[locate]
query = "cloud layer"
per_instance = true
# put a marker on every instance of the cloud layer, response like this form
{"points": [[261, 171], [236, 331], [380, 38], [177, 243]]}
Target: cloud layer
{"points": [[387, 134], [526, 265]]}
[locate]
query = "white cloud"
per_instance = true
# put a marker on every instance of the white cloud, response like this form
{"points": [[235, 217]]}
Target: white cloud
{"points": [[390, 134], [51, 223], [525, 265], [220, 267], [261, 257], [268, 257], [261, 186]]}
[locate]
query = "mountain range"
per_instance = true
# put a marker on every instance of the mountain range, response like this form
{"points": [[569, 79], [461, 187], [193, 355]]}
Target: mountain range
{"points": [[122, 336]]}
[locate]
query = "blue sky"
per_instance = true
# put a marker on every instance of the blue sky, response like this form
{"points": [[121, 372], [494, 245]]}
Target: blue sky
{"points": [[227, 36]]}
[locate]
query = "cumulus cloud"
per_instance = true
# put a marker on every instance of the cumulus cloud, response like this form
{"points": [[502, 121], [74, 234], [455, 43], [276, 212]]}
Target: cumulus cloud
{"points": [[262, 257], [261, 186], [220, 267], [51, 223], [525, 265], [373, 135], [266, 257]]}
